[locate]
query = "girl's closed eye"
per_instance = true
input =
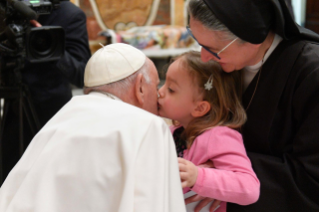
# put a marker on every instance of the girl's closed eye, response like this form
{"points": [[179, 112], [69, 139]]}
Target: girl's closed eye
{"points": [[170, 90]]}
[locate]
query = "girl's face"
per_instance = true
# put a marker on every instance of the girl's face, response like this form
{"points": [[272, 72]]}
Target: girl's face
{"points": [[179, 95]]}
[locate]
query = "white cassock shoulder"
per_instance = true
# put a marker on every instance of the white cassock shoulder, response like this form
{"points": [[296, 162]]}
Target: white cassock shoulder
{"points": [[97, 154]]}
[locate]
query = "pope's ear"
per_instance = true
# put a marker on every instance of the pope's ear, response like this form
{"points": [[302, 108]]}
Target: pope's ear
{"points": [[201, 109], [139, 89]]}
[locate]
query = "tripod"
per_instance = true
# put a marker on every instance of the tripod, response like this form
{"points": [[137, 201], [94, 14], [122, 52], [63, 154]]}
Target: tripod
{"points": [[13, 90]]}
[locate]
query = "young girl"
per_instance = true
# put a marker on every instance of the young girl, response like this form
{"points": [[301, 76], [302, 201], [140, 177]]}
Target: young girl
{"points": [[203, 100]]}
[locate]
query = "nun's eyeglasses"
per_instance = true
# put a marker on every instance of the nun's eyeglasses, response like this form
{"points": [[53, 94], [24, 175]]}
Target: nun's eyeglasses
{"points": [[205, 47]]}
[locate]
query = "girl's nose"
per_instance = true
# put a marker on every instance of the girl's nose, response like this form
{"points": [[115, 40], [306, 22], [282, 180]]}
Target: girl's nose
{"points": [[160, 92]]}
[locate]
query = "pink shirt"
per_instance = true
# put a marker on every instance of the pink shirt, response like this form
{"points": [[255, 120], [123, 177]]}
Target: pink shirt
{"points": [[232, 179]]}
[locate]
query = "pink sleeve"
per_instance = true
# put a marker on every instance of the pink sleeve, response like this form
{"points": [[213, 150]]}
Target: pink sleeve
{"points": [[233, 179]]}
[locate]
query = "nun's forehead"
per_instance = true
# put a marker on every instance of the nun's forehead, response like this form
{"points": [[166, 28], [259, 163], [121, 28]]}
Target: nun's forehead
{"points": [[250, 20]]}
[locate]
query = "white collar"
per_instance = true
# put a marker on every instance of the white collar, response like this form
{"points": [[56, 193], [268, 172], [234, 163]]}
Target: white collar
{"points": [[275, 43]]}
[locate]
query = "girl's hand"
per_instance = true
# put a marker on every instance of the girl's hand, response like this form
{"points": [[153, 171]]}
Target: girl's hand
{"points": [[188, 172], [215, 204]]}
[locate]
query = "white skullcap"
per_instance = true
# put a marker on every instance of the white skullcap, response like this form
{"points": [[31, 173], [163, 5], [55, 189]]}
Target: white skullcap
{"points": [[112, 63]]}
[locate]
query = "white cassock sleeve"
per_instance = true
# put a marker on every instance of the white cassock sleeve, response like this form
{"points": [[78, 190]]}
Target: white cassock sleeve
{"points": [[157, 181]]}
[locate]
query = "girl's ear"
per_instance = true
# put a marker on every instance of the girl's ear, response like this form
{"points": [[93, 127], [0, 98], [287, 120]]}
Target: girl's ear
{"points": [[201, 109]]}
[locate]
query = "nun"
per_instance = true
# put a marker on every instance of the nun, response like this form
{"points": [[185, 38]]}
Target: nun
{"points": [[279, 63]]}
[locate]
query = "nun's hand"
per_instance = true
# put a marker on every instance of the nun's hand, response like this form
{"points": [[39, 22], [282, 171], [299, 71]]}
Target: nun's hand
{"points": [[203, 202]]}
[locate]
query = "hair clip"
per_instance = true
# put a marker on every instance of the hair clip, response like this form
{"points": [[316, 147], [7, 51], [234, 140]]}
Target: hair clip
{"points": [[209, 84]]}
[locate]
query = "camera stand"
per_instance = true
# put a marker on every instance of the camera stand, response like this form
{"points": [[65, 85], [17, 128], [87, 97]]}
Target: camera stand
{"points": [[19, 42], [10, 95]]}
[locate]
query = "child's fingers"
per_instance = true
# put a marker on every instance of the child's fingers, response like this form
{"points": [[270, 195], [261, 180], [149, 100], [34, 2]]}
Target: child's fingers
{"points": [[184, 184], [184, 175], [182, 160], [182, 167]]}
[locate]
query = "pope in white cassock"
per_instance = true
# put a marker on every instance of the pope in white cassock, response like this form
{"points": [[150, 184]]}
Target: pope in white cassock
{"points": [[99, 152]]}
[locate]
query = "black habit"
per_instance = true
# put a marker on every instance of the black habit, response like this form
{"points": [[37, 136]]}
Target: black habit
{"points": [[281, 135]]}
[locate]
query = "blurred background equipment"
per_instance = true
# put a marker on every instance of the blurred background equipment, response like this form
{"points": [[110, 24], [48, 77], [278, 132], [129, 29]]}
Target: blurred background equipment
{"points": [[19, 42]]}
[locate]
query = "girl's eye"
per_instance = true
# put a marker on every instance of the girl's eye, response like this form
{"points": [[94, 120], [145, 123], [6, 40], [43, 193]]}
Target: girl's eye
{"points": [[170, 90]]}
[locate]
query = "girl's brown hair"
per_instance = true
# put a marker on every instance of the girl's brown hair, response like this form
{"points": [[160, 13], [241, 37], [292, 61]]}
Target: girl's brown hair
{"points": [[226, 108]]}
